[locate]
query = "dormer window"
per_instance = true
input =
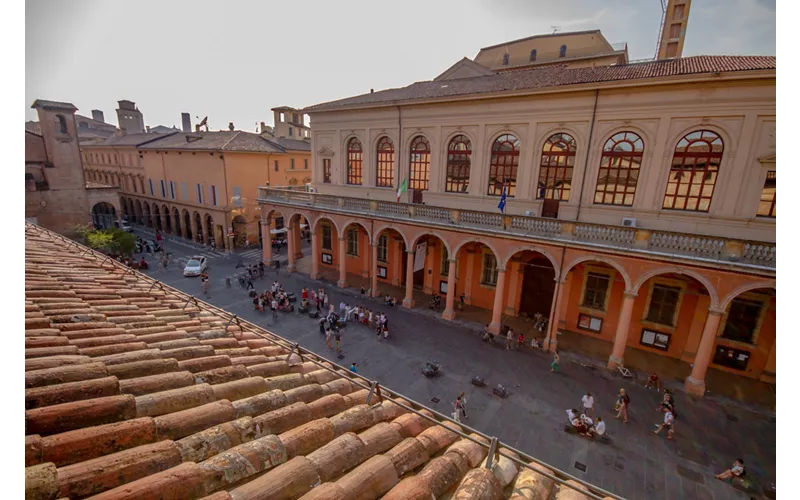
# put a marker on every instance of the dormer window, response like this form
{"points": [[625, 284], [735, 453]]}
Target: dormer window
{"points": [[563, 51], [533, 55], [505, 59]]}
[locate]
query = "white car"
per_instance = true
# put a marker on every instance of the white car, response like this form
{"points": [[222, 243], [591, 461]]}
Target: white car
{"points": [[195, 266]]}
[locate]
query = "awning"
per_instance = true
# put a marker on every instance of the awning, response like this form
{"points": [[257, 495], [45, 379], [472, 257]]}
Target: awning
{"points": [[279, 231]]}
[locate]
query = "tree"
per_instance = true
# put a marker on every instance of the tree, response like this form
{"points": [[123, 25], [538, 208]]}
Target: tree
{"points": [[99, 240], [122, 242]]}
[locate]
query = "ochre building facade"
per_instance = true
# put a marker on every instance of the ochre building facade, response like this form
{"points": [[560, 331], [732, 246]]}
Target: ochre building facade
{"points": [[639, 204]]}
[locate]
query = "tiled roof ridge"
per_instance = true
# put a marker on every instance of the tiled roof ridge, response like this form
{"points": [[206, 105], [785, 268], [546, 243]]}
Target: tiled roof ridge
{"points": [[134, 391], [554, 76]]}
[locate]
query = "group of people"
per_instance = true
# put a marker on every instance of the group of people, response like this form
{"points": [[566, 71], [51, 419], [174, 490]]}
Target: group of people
{"points": [[275, 299], [583, 423]]}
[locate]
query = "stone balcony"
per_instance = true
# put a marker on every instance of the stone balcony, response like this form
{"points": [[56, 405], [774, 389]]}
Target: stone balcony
{"points": [[700, 249]]}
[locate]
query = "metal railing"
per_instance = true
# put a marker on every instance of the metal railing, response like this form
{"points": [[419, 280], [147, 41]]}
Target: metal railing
{"points": [[560, 477], [752, 255]]}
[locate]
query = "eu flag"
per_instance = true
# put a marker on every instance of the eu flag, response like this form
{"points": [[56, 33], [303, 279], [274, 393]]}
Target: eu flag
{"points": [[502, 204]]}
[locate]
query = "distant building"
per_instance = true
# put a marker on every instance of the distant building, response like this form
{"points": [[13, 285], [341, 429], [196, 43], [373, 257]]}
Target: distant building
{"points": [[89, 129], [57, 195], [129, 117]]}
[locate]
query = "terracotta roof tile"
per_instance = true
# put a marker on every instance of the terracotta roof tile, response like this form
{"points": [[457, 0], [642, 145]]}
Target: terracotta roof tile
{"points": [[144, 424], [551, 77]]}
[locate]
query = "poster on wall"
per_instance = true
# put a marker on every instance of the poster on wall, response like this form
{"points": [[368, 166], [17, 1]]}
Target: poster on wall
{"points": [[327, 258], [382, 272], [419, 256]]}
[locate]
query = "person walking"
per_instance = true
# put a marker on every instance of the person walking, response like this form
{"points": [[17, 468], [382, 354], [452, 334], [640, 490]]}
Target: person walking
{"points": [[461, 405], [363, 292], [322, 326], [623, 400], [669, 421], [205, 283], [274, 307], [342, 308], [338, 338], [325, 300], [554, 363], [588, 404]]}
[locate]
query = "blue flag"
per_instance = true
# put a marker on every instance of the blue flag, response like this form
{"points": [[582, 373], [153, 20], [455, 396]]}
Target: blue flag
{"points": [[502, 204]]}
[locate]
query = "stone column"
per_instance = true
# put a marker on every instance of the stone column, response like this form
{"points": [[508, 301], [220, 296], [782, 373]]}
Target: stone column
{"points": [[184, 226], [623, 327], [449, 312], [497, 311], [292, 266], [696, 382], [342, 283], [468, 276], [315, 256], [266, 244], [298, 241], [514, 271], [408, 302], [204, 228], [373, 287]]}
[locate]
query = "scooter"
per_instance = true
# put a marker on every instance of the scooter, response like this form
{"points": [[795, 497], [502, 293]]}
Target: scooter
{"points": [[431, 369]]}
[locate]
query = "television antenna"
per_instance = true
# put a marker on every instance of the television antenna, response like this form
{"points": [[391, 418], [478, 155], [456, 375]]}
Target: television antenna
{"points": [[556, 28]]}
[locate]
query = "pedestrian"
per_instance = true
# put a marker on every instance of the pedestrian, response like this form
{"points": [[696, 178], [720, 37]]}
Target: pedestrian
{"points": [[204, 282], [250, 285], [325, 299], [363, 292], [736, 470], [509, 338], [668, 401], [322, 326], [159, 238], [461, 302], [274, 307], [588, 404], [328, 335], [622, 405], [338, 338], [304, 293], [669, 420], [461, 405], [653, 382], [554, 363], [342, 307], [599, 428], [353, 367]]}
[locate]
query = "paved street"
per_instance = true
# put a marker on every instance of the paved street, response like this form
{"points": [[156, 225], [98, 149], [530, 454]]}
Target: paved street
{"points": [[710, 434]]}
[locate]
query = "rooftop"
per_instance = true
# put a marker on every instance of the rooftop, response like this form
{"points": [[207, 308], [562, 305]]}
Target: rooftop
{"points": [[130, 139], [215, 141], [551, 77], [135, 390], [42, 103], [546, 35]]}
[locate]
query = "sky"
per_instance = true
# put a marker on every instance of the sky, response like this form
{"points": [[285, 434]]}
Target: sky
{"points": [[234, 61]]}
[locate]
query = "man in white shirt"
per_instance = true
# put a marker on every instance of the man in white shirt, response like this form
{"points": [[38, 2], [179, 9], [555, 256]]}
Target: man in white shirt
{"points": [[669, 420], [599, 428], [588, 403]]}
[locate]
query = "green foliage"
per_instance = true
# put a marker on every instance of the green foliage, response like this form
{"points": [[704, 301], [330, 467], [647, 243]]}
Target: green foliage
{"points": [[115, 241]]}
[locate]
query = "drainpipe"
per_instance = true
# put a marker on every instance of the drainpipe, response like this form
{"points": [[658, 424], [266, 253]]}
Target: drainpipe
{"points": [[586, 161], [553, 325], [400, 150]]}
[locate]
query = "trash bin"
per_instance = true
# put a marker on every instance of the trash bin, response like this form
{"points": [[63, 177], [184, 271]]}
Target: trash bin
{"points": [[227, 282]]}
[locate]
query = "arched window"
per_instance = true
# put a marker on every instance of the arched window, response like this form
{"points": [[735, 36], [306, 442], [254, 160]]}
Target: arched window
{"points": [[420, 163], [503, 165], [61, 124], [354, 158], [505, 59], [533, 55], [385, 155], [694, 170], [619, 170], [555, 170], [459, 158], [562, 52]]}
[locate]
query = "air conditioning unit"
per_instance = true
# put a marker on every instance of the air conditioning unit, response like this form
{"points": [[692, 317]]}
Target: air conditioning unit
{"points": [[628, 222]]}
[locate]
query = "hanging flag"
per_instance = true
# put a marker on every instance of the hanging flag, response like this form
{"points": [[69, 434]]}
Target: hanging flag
{"points": [[402, 189], [502, 204]]}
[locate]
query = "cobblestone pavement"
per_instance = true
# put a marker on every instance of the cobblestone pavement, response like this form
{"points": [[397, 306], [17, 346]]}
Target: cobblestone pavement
{"points": [[709, 434]]}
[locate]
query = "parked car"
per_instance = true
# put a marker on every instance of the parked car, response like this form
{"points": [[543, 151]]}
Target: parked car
{"points": [[195, 266]]}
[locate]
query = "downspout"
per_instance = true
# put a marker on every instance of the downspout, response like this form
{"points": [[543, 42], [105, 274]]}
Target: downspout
{"points": [[400, 150], [553, 326], [586, 160]]}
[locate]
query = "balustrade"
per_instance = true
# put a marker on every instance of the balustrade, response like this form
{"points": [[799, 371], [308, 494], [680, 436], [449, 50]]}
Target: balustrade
{"points": [[707, 247]]}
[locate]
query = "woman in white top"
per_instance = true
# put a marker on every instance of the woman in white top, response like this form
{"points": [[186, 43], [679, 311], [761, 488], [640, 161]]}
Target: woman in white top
{"points": [[737, 470], [588, 403]]}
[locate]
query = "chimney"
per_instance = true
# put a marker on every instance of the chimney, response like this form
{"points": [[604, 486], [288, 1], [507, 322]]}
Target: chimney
{"points": [[98, 115], [230, 126], [148, 128], [262, 128], [186, 122], [371, 91]]}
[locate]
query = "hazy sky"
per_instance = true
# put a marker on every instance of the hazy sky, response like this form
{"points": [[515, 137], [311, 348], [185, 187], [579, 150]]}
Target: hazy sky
{"points": [[233, 61]]}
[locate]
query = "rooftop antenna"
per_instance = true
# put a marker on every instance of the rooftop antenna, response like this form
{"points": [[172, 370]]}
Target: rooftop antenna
{"points": [[556, 28]]}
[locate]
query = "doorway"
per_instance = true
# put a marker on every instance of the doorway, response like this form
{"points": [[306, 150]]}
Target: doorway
{"points": [[538, 286]]}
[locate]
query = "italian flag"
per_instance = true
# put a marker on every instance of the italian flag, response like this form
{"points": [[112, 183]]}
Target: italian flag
{"points": [[402, 189]]}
